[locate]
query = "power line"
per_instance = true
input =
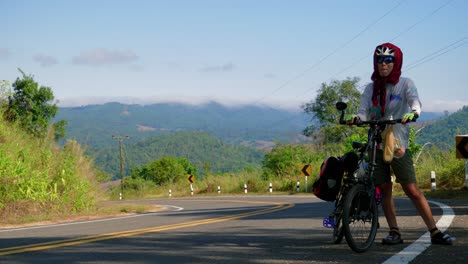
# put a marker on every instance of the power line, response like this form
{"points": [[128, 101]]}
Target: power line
{"points": [[331, 53], [399, 35], [420, 21], [438, 53]]}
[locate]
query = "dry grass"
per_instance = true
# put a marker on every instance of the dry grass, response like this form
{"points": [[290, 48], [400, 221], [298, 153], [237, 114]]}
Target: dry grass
{"points": [[21, 215]]}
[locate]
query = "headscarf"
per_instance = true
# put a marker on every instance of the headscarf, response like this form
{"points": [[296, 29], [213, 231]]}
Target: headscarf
{"points": [[379, 93]]}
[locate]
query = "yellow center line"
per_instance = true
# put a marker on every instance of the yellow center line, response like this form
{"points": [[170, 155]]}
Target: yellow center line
{"points": [[121, 234]]}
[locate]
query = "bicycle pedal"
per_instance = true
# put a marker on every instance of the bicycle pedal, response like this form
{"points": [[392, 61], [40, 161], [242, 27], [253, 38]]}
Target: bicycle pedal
{"points": [[378, 198], [328, 222]]}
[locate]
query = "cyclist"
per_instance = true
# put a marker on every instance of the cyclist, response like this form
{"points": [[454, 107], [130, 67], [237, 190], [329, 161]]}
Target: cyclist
{"points": [[392, 96]]}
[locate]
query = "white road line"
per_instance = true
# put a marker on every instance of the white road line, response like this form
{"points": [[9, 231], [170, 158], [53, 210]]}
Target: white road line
{"points": [[418, 246], [176, 209]]}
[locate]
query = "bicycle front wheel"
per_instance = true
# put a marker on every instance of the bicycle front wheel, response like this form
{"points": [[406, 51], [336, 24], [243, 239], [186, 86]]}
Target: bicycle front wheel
{"points": [[360, 218], [338, 231]]}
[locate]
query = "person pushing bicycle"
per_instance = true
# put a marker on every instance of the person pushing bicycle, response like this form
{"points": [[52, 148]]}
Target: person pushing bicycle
{"points": [[391, 96]]}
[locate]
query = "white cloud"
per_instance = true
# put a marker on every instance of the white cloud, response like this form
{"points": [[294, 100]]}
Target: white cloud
{"points": [[219, 68], [191, 100], [269, 76], [289, 105], [99, 57], [45, 60]]}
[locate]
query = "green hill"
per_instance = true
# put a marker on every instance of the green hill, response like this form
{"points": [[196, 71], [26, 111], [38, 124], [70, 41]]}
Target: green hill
{"points": [[211, 135], [442, 132], [206, 152], [250, 125]]}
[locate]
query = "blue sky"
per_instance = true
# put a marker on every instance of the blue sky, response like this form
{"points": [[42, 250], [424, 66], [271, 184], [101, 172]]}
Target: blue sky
{"points": [[272, 52]]}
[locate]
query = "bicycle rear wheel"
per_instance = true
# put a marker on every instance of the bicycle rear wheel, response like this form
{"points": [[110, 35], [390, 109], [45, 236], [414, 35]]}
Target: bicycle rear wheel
{"points": [[360, 218]]}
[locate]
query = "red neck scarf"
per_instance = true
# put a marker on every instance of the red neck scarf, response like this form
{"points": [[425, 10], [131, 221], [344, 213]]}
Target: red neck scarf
{"points": [[379, 93]]}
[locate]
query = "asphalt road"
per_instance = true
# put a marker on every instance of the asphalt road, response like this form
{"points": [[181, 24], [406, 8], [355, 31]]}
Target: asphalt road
{"points": [[241, 229]]}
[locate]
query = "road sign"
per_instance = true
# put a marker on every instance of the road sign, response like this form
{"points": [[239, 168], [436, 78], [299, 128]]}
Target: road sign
{"points": [[190, 178], [461, 144], [305, 171]]}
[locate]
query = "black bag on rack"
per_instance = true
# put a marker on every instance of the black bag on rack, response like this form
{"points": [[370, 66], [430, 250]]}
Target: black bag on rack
{"points": [[328, 183]]}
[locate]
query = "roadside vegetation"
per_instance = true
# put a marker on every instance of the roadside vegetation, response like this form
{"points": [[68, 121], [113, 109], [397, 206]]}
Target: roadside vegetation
{"points": [[41, 179]]}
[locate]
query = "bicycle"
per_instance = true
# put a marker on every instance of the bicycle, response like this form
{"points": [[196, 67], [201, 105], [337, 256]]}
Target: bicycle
{"points": [[335, 219], [355, 216]]}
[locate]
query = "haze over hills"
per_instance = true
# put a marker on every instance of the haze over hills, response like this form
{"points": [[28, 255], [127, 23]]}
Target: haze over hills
{"points": [[94, 125]]}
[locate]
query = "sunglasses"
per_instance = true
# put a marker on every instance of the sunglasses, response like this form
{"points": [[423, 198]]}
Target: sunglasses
{"points": [[387, 60]]}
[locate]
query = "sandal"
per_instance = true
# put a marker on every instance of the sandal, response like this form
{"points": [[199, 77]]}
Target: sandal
{"points": [[442, 239], [393, 238]]}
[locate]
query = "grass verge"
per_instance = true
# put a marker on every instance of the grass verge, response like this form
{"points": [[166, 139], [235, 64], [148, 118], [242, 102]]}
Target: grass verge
{"points": [[103, 209]]}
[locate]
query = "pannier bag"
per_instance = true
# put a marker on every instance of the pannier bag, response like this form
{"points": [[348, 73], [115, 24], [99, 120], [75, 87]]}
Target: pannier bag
{"points": [[328, 182]]}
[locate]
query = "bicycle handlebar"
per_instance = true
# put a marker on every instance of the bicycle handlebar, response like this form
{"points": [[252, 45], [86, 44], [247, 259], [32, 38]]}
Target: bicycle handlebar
{"points": [[341, 106], [358, 122]]}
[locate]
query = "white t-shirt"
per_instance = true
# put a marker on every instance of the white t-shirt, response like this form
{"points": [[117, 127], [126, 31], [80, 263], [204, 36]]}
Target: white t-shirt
{"points": [[401, 98]]}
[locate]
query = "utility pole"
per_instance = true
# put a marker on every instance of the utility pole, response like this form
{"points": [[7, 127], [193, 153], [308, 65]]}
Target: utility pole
{"points": [[121, 138]]}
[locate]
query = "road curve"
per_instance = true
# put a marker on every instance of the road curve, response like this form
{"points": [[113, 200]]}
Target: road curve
{"points": [[243, 229]]}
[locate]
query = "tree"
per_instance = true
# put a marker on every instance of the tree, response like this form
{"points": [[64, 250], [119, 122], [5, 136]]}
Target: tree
{"points": [[323, 110], [285, 160], [31, 106], [165, 170], [59, 129], [413, 146]]}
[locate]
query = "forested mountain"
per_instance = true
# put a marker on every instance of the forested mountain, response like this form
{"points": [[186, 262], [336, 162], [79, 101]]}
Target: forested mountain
{"points": [[211, 136], [207, 153], [94, 125], [443, 131]]}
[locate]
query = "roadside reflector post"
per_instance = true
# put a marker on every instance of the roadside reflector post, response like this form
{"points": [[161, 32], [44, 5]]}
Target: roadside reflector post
{"points": [[271, 187], [170, 193], [219, 189], [191, 189], [305, 171], [433, 181], [245, 187], [298, 186]]}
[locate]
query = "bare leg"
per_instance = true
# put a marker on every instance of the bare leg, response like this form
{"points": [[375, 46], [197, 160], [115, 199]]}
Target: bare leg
{"points": [[388, 205], [421, 204]]}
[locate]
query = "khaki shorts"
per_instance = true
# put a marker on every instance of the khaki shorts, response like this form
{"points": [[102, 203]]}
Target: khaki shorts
{"points": [[403, 169]]}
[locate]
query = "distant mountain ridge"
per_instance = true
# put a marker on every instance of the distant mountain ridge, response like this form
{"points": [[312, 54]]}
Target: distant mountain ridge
{"points": [[197, 132], [94, 125]]}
